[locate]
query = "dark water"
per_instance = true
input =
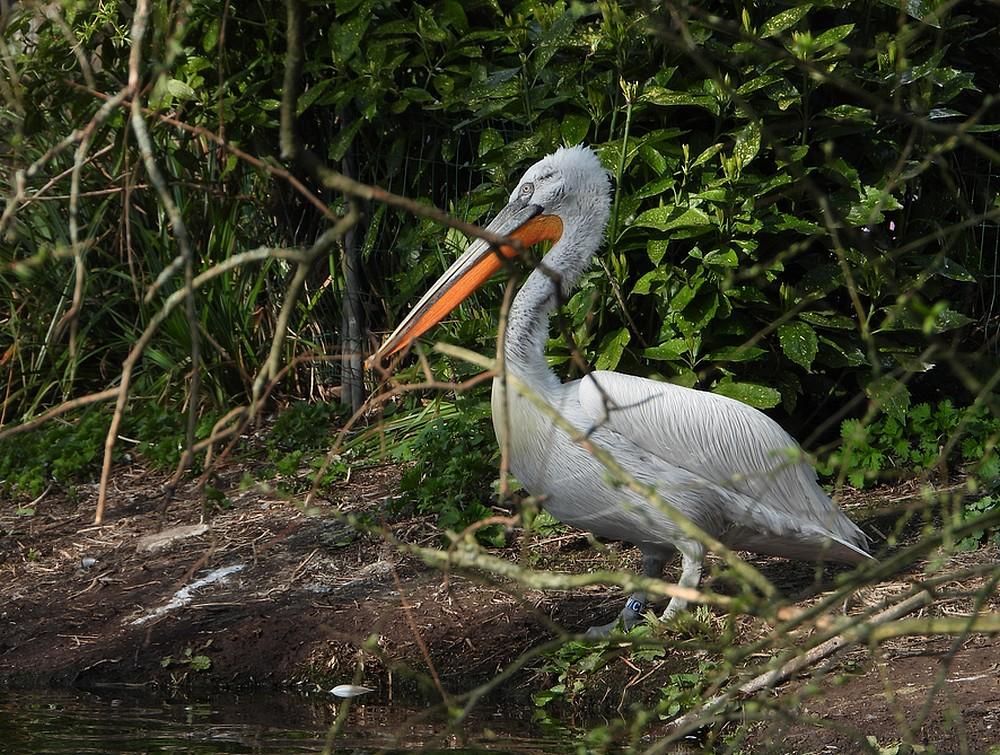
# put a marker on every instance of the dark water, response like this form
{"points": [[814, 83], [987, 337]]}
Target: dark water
{"points": [[131, 721]]}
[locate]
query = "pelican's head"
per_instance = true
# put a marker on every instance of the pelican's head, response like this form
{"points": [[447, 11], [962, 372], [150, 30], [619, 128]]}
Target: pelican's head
{"points": [[569, 185], [567, 191]]}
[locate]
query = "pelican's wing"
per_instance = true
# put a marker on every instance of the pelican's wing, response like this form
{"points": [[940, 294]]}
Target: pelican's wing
{"points": [[722, 441]]}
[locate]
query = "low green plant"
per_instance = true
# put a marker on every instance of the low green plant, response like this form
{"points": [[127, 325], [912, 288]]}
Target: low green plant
{"points": [[304, 426], [161, 433], [685, 690], [904, 442], [68, 451], [572, 663], [189, 659], [62, 452], [971, 511], [297, 442], [451, 469], [575, 665]]}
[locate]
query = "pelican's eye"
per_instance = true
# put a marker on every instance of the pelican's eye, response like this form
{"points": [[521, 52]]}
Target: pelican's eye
{"points": [[528, 189]]}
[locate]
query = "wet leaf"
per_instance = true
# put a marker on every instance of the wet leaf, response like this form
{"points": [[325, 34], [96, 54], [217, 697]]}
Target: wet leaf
{"points": [[611, 349], [668, 350], [758, 82], [759, 396], [671, 98], [668, 218], [747, 144], [828, 320], [832, 36], [890, 395], [340, 145], [707, 154], [849, 113], [180, 90], [574, 128], [656, 249], [799, 342], [736, 354], [784, 20]]}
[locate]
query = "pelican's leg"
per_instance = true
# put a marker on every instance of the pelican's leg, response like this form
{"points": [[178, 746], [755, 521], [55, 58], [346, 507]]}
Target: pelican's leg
{"points": [[635, 606], [691, 559]]}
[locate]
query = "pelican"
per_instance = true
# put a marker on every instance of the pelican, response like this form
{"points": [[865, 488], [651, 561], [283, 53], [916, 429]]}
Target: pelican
{"points": [[726, 466]]}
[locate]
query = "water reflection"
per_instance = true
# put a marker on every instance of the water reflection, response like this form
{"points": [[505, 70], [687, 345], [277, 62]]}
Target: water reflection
{"points": [[132, 721]]}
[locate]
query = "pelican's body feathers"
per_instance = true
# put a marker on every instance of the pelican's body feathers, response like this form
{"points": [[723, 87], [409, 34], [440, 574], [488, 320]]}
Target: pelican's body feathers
{"points": [[692, 447], [726, 466]]}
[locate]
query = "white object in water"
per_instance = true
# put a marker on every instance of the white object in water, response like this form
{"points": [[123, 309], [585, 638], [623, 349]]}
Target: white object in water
{"points": [[350, 690]]}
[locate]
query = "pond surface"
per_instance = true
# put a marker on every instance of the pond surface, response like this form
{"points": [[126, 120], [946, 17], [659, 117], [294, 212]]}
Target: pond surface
{"points": [[132, 721]]}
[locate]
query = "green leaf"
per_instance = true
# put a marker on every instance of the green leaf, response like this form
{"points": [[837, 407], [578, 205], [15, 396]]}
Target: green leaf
{"points": [[849, 113], [656, 249], [645, 283], [869, 209], [346, 6], [784, 20], [828, 320], [671, 98], [668, 218], [708, 154], [180, 90], [210, 39], [656, 187], [736, 354], [923, 10], [831, 36], [722, 258], [611, 349], [489, 140], [799, 342], [788, 222], [784, 93], [946, 319], [951, 269], [201, 663], [668, 350], [345, 38], [339, 146], [890, 395], [311, 95], [747, 144], [574, 128], [759, 396], [758, 82]]}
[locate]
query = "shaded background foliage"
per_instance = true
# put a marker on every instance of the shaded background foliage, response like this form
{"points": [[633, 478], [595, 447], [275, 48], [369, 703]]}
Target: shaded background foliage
{"points": [[804, 211]]}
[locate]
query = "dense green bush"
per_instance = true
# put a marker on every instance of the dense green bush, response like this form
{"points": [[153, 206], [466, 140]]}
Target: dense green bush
{"points": [[925, 438], [803, 202], [784, 189], [450, 469]]}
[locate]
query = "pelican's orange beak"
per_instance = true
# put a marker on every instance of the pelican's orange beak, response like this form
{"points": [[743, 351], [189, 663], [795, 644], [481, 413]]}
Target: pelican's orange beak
{"points": [[518, 220]]}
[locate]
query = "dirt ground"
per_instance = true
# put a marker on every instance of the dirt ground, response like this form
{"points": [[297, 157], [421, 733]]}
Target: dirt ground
{"points": [[304, 599]]}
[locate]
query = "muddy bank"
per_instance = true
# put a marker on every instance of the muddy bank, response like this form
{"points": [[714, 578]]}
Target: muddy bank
{"points": [[267, 595], [279, 597]]}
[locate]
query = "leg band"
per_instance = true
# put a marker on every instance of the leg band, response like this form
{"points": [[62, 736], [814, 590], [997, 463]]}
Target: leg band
{"points": [[635, 605]]}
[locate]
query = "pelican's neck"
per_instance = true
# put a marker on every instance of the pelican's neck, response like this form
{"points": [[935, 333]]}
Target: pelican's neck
{"points": [[528, 319]]}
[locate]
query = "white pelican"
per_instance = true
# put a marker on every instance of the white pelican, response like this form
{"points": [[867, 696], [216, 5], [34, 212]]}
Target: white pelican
{"points": [[729, 468]]}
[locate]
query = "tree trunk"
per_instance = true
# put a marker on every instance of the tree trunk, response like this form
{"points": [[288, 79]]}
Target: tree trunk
{"points": [[352, 324]]}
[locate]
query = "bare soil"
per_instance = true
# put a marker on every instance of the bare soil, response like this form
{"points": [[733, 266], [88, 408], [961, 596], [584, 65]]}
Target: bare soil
{"points": [[316, 602]]}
